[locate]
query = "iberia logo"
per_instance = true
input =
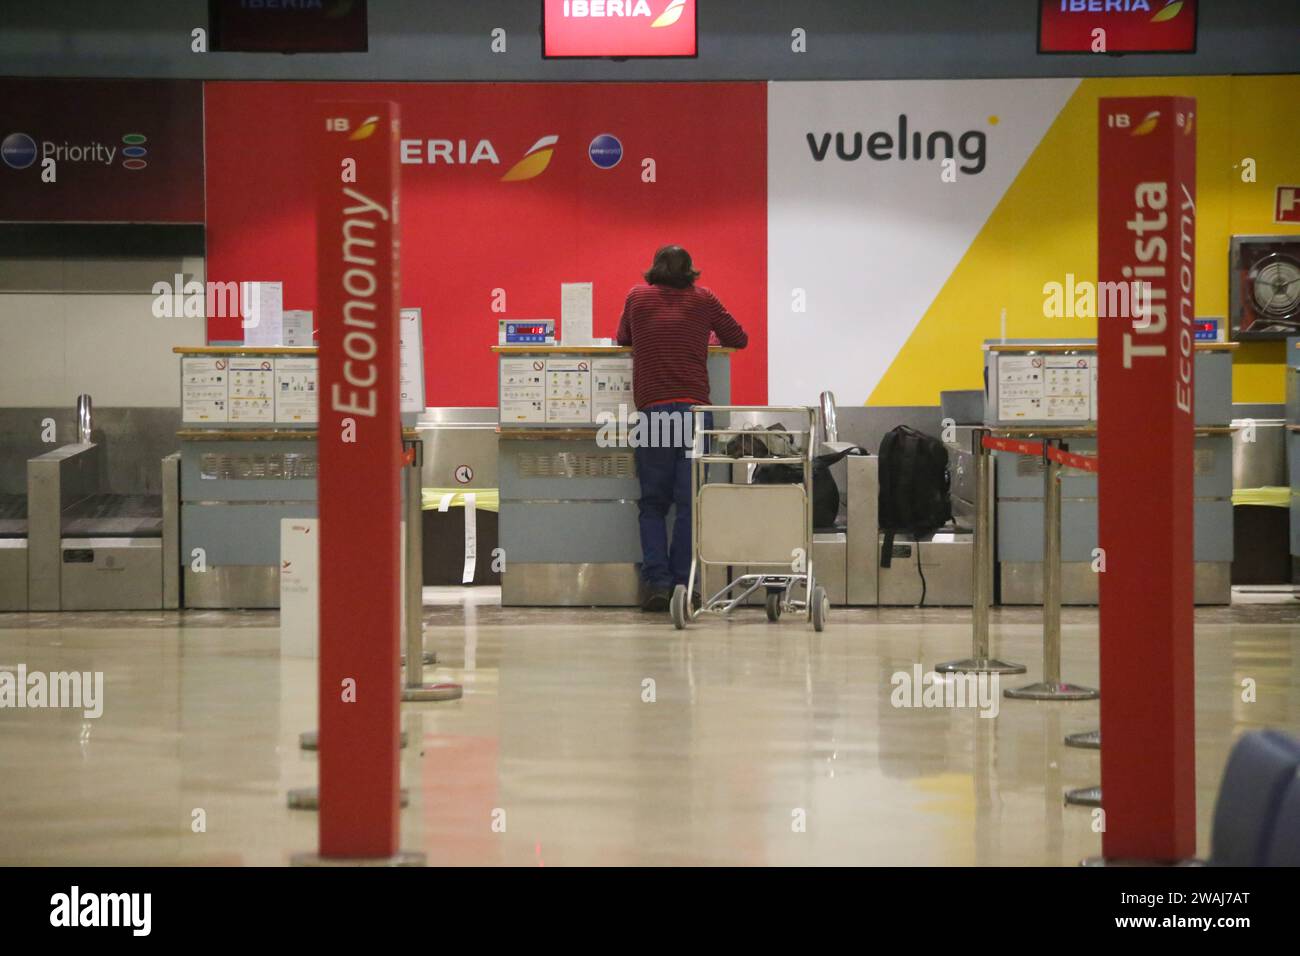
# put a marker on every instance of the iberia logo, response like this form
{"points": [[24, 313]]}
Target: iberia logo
{"points": [[1149, 122], [534, 162], [672, 13], [366, 128], [1170, 10]]}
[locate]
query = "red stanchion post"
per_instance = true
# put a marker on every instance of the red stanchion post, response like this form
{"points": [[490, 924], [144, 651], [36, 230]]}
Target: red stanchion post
{"points": [[360, 459], [1146, 234]]}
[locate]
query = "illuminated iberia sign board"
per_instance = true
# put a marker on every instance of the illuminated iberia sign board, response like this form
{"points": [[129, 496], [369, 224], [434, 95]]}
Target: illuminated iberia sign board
{"points": [[1117, 26], [618, 28]]}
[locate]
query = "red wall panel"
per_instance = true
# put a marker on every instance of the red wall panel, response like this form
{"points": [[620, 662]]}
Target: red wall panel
{"points": [[465, 232]]}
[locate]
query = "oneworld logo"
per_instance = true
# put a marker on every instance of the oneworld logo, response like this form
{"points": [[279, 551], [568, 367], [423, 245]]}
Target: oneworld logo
{"points": [[605, 151], [883, 145], [18, 150]]}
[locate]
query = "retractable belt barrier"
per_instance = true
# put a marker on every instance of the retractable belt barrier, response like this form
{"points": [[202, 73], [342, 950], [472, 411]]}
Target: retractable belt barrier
{"points": [[1054, 459]]}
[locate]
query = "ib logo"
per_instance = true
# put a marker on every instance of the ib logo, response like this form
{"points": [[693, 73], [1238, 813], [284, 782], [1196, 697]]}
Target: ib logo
{"points": [[134, 151], [18, 150], [605, 151]]}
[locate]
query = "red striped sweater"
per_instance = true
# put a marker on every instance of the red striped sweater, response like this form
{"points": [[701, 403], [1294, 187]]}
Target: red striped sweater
{"points": [[669, 331]]}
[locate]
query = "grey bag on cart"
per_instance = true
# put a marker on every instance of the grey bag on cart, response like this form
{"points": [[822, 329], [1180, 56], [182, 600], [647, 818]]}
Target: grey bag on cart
{"points": [[914, 486]]}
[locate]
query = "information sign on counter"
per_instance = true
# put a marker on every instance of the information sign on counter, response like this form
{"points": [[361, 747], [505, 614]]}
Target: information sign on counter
{"points": [[296, 391], [522, 390], [252, 389], [412, 361], [203, 390], [1046, 387], [611, 386], [568, 389]]}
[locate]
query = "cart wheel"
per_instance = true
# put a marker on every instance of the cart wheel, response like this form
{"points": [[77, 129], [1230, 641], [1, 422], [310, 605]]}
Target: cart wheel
{"points": [[774, 605], [677, 607], [821, 607]]}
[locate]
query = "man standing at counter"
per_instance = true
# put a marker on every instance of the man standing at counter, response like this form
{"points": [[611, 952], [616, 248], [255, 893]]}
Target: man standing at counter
{"points": [[669, 323]]}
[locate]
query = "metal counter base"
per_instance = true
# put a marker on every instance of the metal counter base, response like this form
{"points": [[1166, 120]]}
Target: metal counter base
{"points": [[232, 586], [570, 585], [13, 574], [1022, 582]]}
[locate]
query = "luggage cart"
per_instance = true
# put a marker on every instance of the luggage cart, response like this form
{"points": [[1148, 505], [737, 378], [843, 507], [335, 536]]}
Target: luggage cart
{"points": [[752, 525]]}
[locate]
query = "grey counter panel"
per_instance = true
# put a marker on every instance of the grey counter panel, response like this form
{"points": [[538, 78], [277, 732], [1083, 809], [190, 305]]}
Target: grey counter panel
{"points": [[236, 534], [196, 488], [570, 532]]}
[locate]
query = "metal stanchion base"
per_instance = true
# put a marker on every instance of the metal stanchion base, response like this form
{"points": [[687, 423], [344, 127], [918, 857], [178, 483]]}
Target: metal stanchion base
{"points": [[1045, 691], [1089, 739], [1084, 797], [400, 858], [1102, 861], [981, 665], [422, 693], [310, 740], [429, 658], [308, 798]]}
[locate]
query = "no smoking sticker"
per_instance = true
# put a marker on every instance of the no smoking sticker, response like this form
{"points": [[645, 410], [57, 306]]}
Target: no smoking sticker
{"points": [[464, 474]]}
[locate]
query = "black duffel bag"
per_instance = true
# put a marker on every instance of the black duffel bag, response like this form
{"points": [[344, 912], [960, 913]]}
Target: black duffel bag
{"points": [[825, 492]]}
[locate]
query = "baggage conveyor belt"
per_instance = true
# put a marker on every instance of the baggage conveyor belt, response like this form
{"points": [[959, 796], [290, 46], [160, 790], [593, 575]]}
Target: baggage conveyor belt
{"points": [[114, 516], [13, 516]]}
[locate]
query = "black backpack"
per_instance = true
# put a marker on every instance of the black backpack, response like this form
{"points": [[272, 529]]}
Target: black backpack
{"points": [[914, 485]]}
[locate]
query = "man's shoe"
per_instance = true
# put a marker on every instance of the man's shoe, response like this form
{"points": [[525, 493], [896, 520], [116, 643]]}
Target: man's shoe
{"points": [[656, 600], [696, 601]]}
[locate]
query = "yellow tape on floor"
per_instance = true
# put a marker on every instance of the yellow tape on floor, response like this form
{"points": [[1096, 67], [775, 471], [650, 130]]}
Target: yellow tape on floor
{"points": [[485, 499]]}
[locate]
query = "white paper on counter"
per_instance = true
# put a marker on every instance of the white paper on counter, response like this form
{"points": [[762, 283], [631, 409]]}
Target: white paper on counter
{"points": [[575, 313], [263, 305], [203, 390]]}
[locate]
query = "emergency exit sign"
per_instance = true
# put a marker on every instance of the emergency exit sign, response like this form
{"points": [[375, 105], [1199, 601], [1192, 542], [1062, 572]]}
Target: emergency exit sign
{"points": [[1287, 207]]}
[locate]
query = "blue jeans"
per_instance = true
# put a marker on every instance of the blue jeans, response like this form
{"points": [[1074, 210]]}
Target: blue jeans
{"points": [[665, 474]]}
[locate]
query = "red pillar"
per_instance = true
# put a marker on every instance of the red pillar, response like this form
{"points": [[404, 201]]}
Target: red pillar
{"points": [[1146, 232], [359, 495]]}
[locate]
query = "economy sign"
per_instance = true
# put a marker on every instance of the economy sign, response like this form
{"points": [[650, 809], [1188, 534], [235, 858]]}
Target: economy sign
{"points": [[618, 28], [1117, 26], [360, 457], [1146, 232]]}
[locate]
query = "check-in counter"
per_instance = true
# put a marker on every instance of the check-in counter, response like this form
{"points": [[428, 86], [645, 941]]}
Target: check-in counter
{"points": [[248, 459], [568, 518], [1048, 389]]}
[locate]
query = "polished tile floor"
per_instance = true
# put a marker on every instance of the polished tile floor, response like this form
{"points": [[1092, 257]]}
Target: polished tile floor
{"points": [[764, 744]]}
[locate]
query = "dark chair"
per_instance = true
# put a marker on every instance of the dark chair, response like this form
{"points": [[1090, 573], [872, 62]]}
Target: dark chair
{"points": [[1261, 769]]}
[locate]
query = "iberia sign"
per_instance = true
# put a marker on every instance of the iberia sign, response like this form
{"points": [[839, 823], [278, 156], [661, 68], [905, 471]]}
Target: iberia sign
{"points": [[618, 28], [1117, 26]]}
